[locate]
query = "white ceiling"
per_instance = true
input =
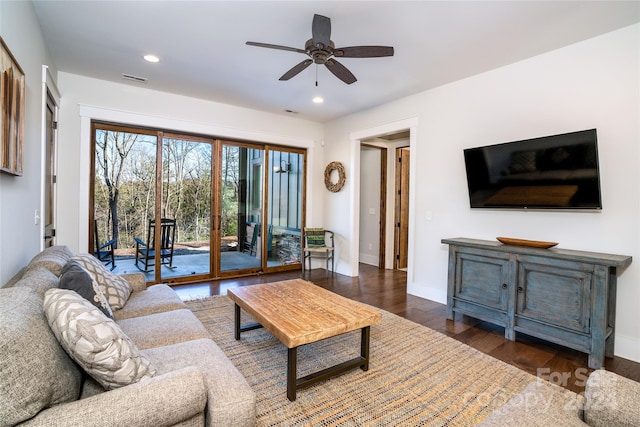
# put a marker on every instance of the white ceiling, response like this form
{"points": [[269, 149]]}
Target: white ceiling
{"points": [[201, 45]]}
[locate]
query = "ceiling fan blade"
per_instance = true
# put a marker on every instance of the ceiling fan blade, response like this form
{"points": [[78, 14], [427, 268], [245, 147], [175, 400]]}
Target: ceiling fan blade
{"points": [[363, 51], [297, 69], [340, 71], [321, 31], [276, 46]]}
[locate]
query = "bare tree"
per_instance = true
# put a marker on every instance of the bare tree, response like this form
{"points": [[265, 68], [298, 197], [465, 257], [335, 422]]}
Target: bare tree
{"points": [[112, 149]]}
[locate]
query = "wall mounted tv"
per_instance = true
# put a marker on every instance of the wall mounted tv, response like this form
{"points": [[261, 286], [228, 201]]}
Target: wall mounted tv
{"points": [[552, 172]]}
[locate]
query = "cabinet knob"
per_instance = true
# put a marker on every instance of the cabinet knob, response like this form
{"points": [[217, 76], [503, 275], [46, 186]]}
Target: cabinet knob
{"points": [[504, 286], [520, 289]]}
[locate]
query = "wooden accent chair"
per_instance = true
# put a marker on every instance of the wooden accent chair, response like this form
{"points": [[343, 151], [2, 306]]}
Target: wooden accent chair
{"points": [[315, 245], [104, 252], [146, 251]]}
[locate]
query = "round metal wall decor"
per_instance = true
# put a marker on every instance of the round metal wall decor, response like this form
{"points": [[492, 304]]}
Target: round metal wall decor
{"points": [[337, 186]]}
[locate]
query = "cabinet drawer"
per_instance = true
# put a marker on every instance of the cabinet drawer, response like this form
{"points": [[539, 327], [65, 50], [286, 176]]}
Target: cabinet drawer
{"points": [[554, 292], [482, 279]]}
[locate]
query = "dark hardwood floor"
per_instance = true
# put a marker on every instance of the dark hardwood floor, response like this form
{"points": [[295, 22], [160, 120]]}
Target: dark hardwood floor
{"points": [[386, 289]]}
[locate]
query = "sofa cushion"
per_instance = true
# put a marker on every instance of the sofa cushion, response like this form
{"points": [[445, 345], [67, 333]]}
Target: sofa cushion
{"points": [[611, 400], [159, 329], [94, 341], [76, 278], [114, 287], [231, 401], [38, 278], [35, 372], [52, 258], [154, 299]]}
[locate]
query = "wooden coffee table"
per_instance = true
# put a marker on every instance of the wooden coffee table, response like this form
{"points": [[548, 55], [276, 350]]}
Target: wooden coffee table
{"points": [[298, 312]]}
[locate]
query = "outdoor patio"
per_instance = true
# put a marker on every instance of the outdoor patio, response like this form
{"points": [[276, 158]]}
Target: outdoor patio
{"points": [[191, 263]]}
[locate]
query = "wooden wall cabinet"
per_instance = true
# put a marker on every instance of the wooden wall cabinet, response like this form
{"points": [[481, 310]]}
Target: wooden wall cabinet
{"points": [[564, 296]]}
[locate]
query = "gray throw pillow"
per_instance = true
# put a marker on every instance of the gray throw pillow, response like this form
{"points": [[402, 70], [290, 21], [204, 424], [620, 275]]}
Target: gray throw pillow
{"points": [[76, 278]]}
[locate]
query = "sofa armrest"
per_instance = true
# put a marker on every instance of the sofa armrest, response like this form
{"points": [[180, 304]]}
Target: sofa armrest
{"points": [[137, 281], [611, 400], [164, 400]]}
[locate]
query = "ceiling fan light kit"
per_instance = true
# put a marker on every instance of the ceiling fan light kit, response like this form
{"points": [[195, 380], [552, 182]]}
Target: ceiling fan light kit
{"points": [[322, 51]]}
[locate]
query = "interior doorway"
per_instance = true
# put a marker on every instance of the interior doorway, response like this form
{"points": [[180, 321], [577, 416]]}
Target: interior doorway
{"points": [[49, 207], [378, 170]]}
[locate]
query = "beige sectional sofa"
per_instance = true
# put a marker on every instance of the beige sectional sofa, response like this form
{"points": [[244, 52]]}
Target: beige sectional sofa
{"points": [[191, 383], [608, 400]]}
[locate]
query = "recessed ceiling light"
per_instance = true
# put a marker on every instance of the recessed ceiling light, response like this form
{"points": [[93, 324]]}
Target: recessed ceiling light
{"points": [[151, 58], [318, 100]]}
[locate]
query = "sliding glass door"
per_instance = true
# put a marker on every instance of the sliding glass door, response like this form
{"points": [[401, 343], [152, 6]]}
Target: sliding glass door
{"points": [[284, 207], [240, 198], [183, 208]]}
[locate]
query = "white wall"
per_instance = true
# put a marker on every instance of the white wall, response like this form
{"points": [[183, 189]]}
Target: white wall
{"points": [[85, 98], [20, 236], [592, 84]]}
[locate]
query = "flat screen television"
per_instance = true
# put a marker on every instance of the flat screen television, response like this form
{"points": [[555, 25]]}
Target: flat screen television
{"points": [[552, 172]]}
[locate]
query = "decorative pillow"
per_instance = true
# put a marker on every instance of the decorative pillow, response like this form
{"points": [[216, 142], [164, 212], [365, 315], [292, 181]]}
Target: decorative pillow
{"points": [[76, 278], [94, 341], [315, 237], [115, 288]]}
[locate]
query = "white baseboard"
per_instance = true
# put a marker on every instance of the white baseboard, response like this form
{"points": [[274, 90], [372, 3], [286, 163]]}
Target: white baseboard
{"points": [[437, 295], [369, 259], [627, 348]]}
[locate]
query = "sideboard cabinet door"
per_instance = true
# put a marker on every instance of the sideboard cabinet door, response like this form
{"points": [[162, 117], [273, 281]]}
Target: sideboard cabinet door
{"points": [[483, 279], [552, 292]]}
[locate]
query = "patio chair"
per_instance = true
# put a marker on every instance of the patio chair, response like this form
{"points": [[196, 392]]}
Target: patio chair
{"points": [[251, 240], [146, 251], [315, 245], [104, 252]]}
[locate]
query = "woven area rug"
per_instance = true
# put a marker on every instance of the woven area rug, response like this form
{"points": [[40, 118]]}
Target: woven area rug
{"points": [[416, 377]]}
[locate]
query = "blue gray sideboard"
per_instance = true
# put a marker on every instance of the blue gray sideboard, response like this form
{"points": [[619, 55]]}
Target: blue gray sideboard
{"points": [[564, 296]]}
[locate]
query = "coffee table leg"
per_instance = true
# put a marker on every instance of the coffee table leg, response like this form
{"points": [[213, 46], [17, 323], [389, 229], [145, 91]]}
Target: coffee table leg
{"points": [[292, 355], [364, 347], [237, 321]]}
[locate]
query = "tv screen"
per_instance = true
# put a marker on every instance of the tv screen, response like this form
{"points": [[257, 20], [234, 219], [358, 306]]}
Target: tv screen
{"points": [[552, 172]]}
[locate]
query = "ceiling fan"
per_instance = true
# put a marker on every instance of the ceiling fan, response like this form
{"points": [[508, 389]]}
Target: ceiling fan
{"points": [[321, 50]]}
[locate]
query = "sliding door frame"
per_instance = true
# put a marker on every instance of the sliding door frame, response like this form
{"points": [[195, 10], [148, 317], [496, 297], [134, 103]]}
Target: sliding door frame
{"points": [[216, 206]]}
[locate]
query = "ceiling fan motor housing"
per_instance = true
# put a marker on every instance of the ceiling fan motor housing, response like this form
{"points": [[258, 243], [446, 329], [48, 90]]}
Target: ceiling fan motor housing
{"points": [[319, 55]]}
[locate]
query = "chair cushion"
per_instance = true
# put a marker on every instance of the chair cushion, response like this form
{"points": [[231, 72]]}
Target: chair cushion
{"points": [[76, 278], [35, 372], [94, 341], [115, 288], [315, 237]]}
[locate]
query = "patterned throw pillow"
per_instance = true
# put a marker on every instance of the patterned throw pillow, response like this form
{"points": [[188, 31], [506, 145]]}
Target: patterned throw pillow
{"points": [[115, 288], [76, 278], [94, 341], [315, 237]]}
